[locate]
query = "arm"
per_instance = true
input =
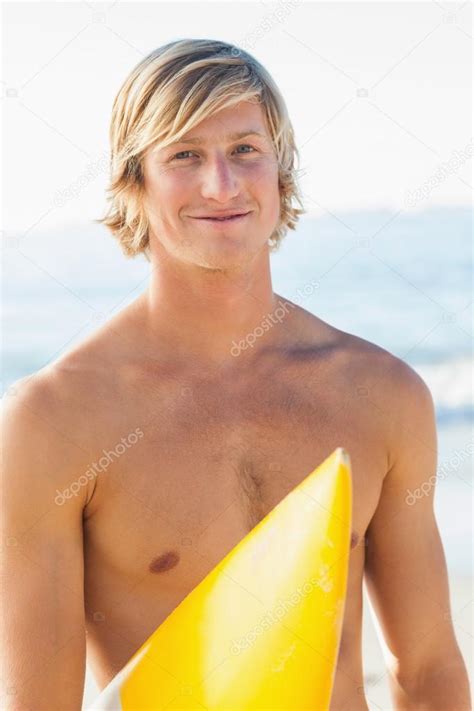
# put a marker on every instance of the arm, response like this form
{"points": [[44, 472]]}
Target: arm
{"points": [[405, 566], [43, 624]]}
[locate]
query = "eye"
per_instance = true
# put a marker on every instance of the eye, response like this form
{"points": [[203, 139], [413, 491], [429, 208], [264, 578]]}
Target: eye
{"points": [[182, 155], [246, 145]]}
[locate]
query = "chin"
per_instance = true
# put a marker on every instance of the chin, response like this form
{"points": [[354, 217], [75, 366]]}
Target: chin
{"points": [[228, 253]]}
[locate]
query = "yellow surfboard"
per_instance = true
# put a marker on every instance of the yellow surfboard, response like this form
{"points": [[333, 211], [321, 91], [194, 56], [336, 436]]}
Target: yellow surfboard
{"points": [[262, 629]]}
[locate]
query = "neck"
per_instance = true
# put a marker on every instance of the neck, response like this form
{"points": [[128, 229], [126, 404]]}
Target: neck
{"points": [[212, 316]]}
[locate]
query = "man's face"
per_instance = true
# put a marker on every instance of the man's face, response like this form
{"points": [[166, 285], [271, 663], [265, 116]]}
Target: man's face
{"points": [[210, 172]]}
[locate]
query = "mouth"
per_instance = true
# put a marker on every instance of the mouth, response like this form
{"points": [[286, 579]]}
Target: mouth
{"points": [[223, 220]]}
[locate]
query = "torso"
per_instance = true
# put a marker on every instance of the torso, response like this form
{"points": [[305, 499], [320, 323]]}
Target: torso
{"points": [[216, 455]]}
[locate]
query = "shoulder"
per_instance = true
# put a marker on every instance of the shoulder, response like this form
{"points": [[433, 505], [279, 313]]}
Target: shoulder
{"points": [[390, 389], [387, 373], [71, 403], [53, 396], [368, 360], [72, 384], [397, 396], [42, 450], [365, 359], [384, 372], [56, 408], [33, 396], [52, 404]]}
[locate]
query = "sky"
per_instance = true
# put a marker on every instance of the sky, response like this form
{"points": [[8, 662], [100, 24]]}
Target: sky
{"points": [[378, 93]]}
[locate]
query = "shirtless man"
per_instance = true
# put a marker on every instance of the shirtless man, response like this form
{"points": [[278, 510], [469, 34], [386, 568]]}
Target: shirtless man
{"points": [[138, 459]]}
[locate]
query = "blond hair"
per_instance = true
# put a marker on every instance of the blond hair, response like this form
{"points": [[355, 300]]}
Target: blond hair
{"points": [[170, 91]]}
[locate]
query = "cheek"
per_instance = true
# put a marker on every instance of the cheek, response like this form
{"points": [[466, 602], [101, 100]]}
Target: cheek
{"points": [[165, 195], [166, 187], [264, 181], [265, 168], [264, 173]]}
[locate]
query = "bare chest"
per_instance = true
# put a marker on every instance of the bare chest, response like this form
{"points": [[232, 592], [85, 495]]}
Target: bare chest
{"points": [[202, 470]]}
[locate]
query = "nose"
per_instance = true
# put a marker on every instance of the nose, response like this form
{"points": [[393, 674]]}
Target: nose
{"points": [[219, 180]]}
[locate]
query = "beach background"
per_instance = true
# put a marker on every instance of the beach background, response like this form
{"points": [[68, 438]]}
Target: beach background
{"points": [[380, 98]]}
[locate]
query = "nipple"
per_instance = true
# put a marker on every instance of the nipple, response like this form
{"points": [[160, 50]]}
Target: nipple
{"points": [[354, 539], [164, 562]]}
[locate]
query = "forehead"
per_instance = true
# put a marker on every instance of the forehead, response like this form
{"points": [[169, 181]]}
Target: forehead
{"points": [[230, 123]]}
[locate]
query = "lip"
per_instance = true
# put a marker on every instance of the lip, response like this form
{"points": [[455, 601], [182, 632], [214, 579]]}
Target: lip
{"points": [[230, 220]]}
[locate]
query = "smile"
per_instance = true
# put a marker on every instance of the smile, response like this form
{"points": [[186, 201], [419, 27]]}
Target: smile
{"points": [[223, 220]]}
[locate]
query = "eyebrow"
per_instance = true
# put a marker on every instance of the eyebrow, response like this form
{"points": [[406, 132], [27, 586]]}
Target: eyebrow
{"points": [[198, 140]]}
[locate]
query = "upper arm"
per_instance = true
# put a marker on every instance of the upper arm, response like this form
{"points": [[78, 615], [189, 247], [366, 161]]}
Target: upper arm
{"points": [[43, 625], [406, 572]]}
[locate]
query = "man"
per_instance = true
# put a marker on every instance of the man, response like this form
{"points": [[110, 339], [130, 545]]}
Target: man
{"points": [[138, 459]]}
